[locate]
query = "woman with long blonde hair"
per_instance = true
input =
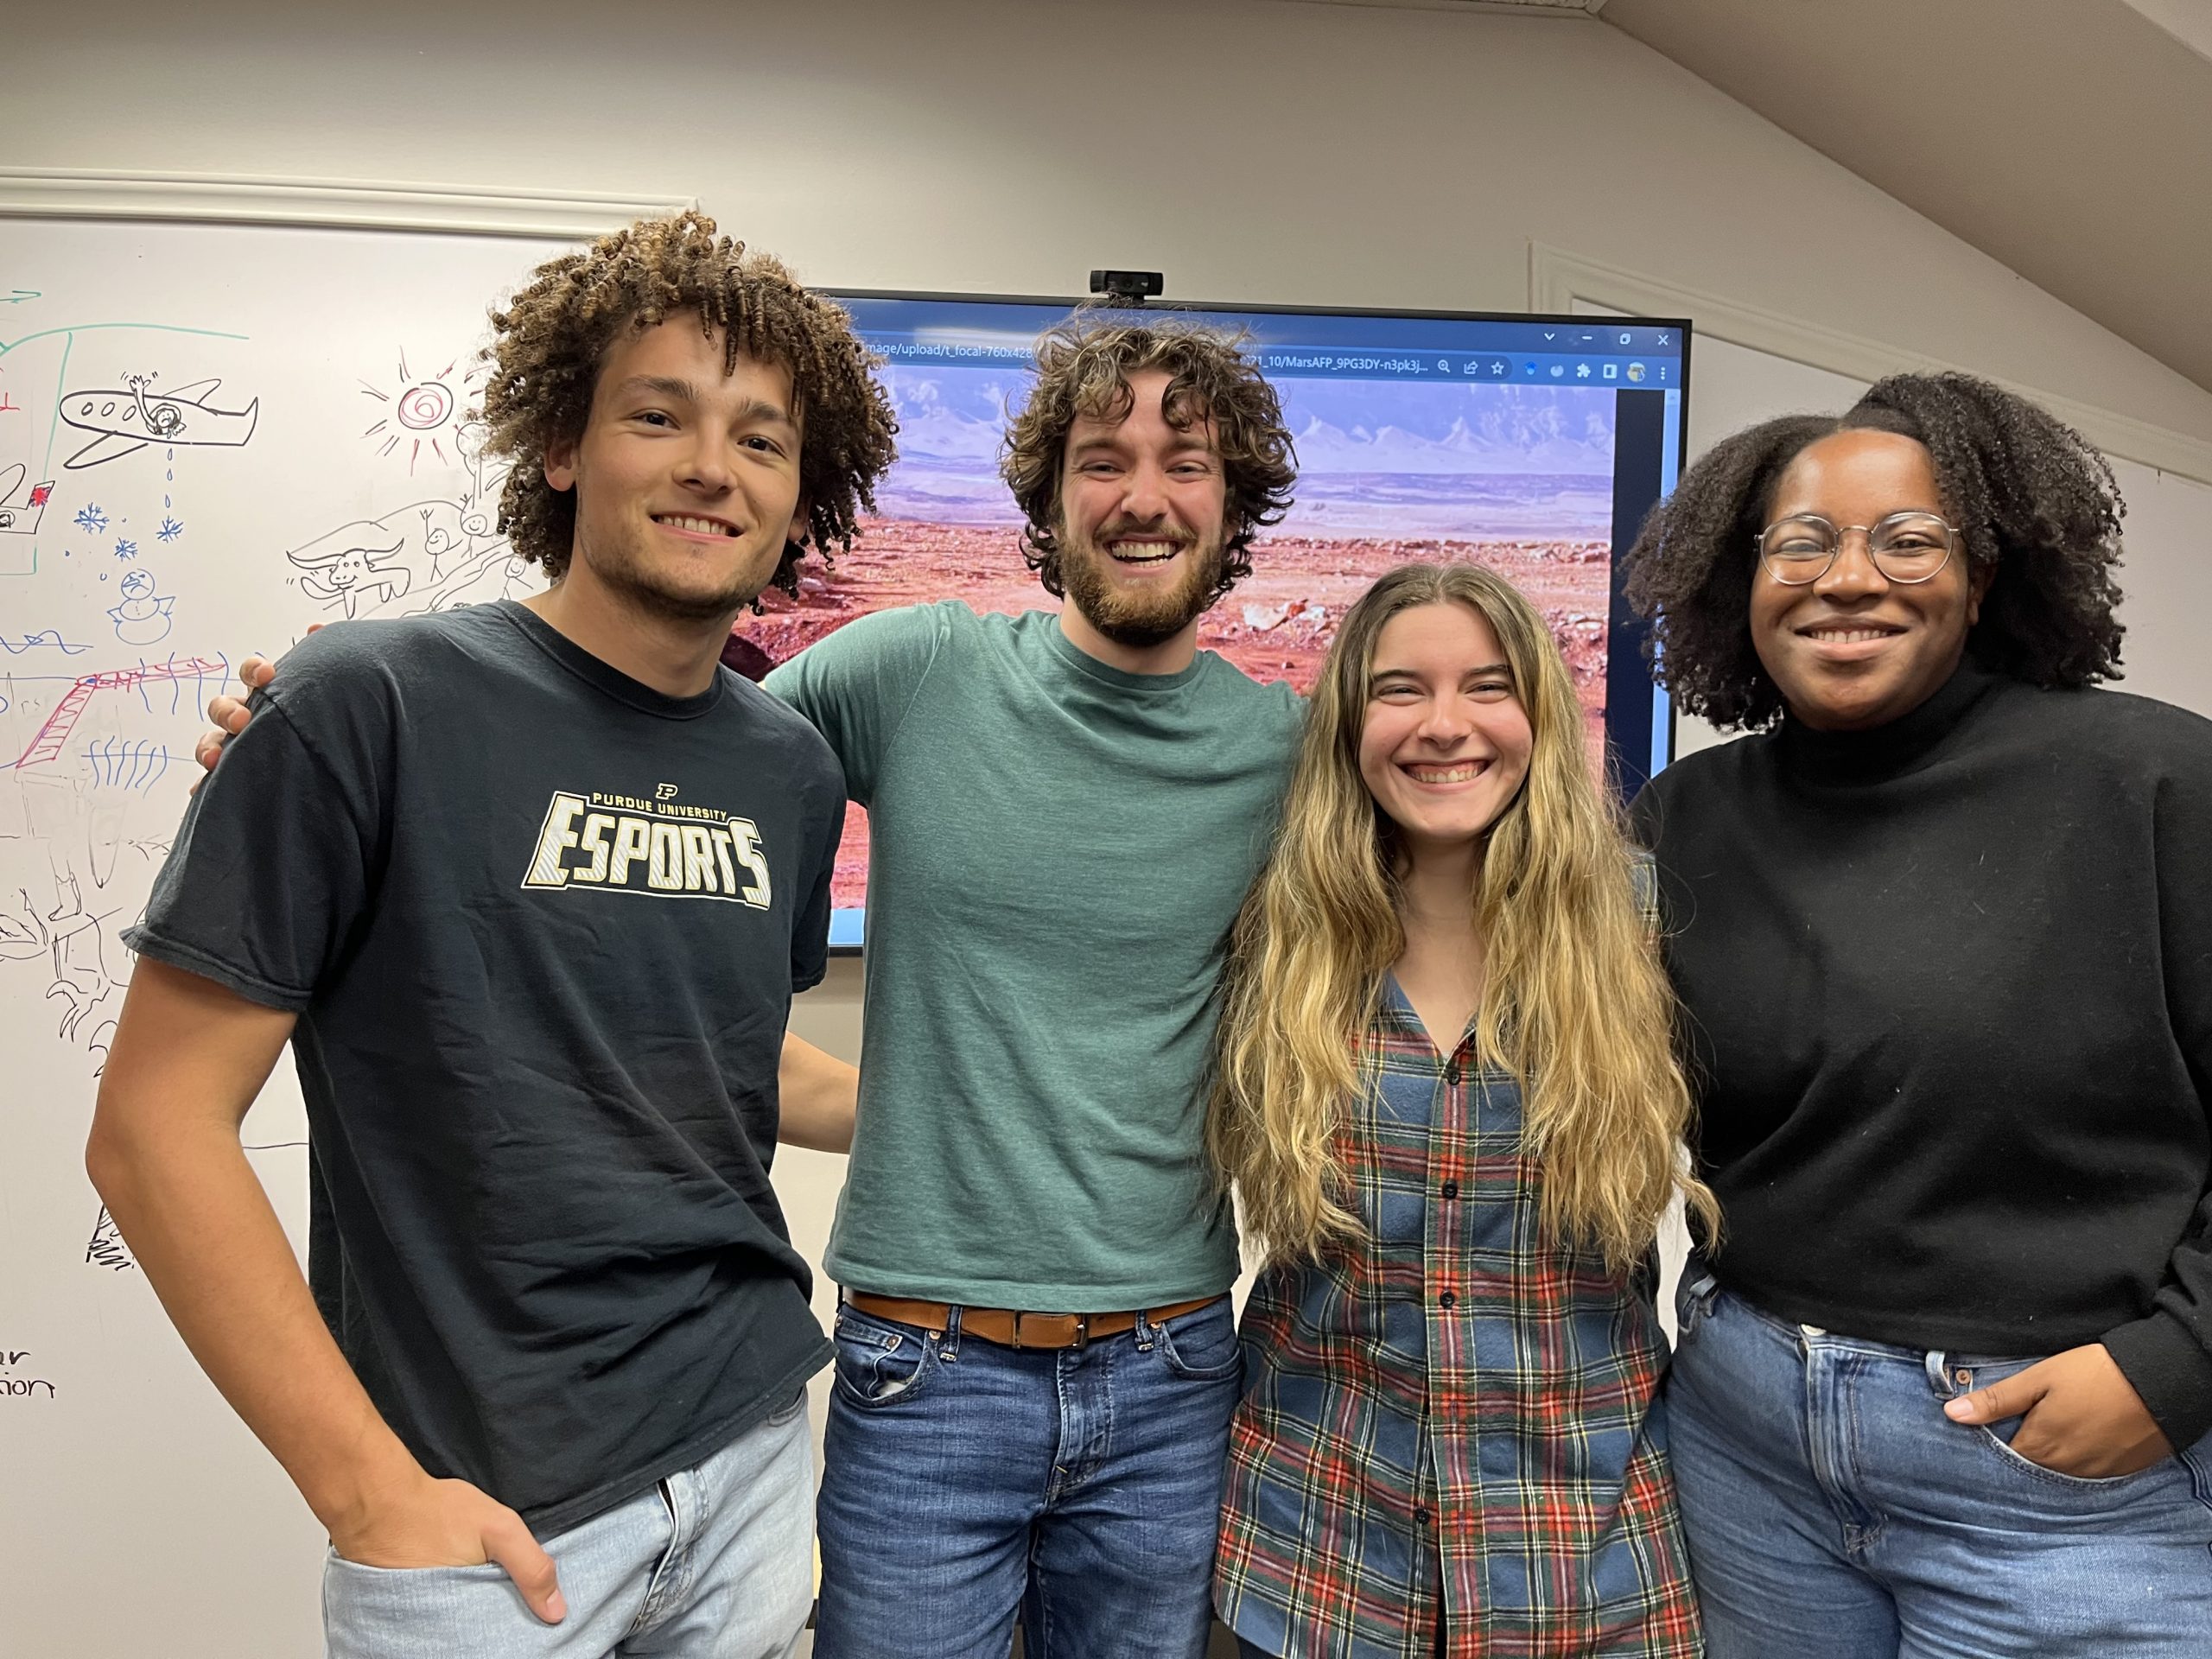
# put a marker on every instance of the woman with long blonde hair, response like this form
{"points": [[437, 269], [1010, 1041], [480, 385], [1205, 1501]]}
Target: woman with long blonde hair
{"points": [[1447, 1096]]}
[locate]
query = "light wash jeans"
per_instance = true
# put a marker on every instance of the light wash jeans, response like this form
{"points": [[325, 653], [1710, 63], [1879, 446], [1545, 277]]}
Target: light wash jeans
{"points": [[966, 1484], [1834, 1512], [715, 1560]]}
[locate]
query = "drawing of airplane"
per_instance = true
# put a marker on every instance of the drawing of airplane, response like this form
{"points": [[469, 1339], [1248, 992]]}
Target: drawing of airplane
{"points": [[127, 421], [21, 518]]}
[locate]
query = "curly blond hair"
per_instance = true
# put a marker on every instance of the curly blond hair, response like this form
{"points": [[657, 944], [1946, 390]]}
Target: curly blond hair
{"points": [[554, 334], [1083, 369]]}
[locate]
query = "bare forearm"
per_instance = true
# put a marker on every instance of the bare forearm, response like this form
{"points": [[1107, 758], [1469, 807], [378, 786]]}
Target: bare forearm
{"points": [[196, 1217], [187, 1061], [819, 1094]]}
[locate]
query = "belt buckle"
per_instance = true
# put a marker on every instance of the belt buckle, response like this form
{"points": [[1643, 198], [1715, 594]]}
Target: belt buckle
{"points": [[1081, 1327]]}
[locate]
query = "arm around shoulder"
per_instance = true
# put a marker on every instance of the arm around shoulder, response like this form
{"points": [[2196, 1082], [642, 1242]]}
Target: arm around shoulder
{"points": [[819, 1097], [855, 685]]}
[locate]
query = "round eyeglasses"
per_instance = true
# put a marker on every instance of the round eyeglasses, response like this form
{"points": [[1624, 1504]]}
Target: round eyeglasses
{"points": [[1905, 547]]}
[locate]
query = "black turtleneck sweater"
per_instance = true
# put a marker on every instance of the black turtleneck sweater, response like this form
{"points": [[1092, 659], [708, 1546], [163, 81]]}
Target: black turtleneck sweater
{"points": [[1949, 995]]}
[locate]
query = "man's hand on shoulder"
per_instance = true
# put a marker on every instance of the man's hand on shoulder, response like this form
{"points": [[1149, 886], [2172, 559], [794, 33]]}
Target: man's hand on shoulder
{"points": [[425, 1522], [231, 713]]}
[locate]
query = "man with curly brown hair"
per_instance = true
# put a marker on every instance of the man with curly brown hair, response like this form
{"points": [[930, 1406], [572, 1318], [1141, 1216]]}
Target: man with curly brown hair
{"points": [[1036, 1361], [545, 1391]]}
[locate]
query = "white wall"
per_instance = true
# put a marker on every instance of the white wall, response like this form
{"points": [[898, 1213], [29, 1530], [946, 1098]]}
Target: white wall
{"points": [[1253, 150]]}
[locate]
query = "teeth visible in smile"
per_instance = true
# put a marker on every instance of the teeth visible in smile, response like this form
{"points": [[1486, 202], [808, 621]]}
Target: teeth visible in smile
{"points": [[1143, 552], [697, 527], [1850, 636], [1459, 774]]}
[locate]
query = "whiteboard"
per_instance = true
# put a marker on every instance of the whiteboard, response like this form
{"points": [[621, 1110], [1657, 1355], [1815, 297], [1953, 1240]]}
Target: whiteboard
{"points": [[211, 437]]}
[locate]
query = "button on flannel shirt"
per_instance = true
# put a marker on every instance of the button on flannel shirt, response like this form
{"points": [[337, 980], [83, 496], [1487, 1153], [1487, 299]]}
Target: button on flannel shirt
{"points": [[1445, 1419]]}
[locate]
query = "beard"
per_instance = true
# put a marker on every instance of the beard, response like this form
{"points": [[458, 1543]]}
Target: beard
{"points": [[623, 568], [1147, 617]]}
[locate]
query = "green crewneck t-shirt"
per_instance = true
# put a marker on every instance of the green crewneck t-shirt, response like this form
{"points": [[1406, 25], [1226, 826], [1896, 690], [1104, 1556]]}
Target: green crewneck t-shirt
{"points": [[1057, 849]]}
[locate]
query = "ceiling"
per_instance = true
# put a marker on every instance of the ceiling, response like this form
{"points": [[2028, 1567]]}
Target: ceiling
{"points": [[2071, 140]]}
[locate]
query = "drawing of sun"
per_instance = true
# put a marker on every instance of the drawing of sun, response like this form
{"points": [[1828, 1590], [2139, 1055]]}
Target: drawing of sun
{"points": [[422, 411]]}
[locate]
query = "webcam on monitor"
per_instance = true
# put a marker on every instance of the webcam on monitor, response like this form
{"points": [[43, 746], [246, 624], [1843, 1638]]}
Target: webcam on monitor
{"points": [[1129, 286]]}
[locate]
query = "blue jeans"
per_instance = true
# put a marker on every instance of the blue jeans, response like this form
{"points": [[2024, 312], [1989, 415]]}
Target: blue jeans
{"points": [[966, 1484], [1833, 1509], [713, 1560]]}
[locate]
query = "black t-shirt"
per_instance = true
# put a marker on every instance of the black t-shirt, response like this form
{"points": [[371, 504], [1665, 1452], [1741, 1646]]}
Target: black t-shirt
{"points": [[542, 926], [1949, 990]]}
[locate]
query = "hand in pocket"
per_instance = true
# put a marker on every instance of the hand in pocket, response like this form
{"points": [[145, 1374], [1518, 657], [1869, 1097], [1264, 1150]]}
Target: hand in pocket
{"points": [[431, 1522], [2079, 1415]]}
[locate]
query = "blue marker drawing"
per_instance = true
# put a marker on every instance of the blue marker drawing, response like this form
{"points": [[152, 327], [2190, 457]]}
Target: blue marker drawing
{"points": [[125, 547], [47, 638], [142, 617], [90, 520], [170, 529], [117, 764]]}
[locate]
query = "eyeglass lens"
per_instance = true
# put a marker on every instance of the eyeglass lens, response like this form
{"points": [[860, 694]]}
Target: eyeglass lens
{"points": [[1905, 547]]}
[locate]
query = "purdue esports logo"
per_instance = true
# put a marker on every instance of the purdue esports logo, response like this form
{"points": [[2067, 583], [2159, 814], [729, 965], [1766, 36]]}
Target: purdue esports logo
{"points": [[619, 843]]}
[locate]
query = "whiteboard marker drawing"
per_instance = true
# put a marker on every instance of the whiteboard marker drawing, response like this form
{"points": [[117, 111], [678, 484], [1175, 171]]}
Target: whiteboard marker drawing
{"points": [[435, 555], [79, 842], [107, 1248], [44, 639], [47, 744], [73, 942], [21, 518], [15, 1384], [339, 569], [422, 410], [142, 617], [125, 422]]}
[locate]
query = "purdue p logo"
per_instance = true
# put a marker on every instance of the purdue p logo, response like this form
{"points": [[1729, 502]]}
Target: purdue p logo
{"points": [[619, 844]]}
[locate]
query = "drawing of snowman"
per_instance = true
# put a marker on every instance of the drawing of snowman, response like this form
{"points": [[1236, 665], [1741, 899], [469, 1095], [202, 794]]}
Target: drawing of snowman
{"points": [[143, 619]]}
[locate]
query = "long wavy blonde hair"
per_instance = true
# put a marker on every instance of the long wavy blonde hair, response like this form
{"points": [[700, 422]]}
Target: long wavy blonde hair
{"points": [[1575, 1005]]}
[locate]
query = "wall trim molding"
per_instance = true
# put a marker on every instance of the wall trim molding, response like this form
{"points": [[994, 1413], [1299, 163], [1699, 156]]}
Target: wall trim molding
{"points": [[1557, 279], [346, 204]]}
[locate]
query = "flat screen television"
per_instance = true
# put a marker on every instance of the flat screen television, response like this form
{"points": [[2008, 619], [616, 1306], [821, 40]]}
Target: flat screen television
{"points": [[1532, 444]]}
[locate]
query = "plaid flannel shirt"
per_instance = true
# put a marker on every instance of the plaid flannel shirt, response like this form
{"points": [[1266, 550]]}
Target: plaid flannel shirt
{"points": [[1447, 1422]]}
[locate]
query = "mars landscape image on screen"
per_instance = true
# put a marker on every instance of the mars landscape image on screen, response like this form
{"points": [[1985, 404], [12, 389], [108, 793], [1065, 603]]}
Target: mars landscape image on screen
{"points": [[1518, 477]]}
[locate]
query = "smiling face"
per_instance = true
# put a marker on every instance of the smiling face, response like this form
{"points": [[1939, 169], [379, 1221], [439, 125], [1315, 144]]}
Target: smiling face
{"points": [[1142, 509], [687, 478], [1854, 650], [1446, 742]]}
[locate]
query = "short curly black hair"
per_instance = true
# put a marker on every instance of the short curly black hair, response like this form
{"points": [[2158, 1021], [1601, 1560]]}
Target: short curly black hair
{"points": [[1083, 368], [2038, 507], [554, 334]]}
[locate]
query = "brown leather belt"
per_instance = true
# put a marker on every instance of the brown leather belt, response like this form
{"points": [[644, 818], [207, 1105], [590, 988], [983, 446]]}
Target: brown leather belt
{"points": [[1011, 1329]]}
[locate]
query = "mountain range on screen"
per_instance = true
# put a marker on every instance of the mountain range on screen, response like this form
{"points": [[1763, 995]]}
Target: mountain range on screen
{"points": [[1355, 439]]}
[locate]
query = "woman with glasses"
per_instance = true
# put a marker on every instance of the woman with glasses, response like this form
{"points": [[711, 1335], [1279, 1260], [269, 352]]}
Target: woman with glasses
{"points": [[1943, 930], [1449, 1097]]}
